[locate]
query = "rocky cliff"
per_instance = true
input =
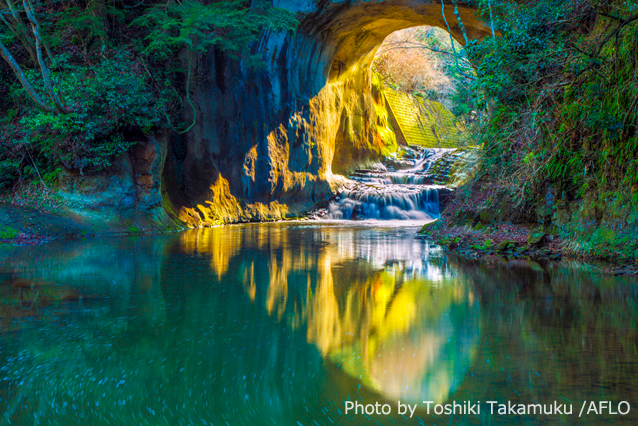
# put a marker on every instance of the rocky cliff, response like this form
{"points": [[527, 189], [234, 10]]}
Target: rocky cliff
{"points": [[274, 128]]}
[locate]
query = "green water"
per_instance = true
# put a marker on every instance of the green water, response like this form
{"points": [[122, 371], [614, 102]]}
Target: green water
{"points": [[279, 324]]}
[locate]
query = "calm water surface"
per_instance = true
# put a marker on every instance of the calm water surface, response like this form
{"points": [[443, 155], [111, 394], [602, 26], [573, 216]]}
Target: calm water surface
{"points": [[279, 324]]}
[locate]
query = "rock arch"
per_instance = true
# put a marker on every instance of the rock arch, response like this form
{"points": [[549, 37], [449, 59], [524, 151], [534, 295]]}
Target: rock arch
{"points": [[275, 133]]}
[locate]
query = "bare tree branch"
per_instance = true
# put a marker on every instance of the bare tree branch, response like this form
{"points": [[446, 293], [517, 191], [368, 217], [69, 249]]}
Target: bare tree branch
{"points": [[46, 76], [4, 52], [415, 45], [457, 14], [615, 33], [456, 59]]}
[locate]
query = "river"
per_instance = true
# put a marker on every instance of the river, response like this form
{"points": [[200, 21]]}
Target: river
{"points": [[282, 323]]}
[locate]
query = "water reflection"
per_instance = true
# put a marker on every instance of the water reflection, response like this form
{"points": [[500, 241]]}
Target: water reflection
{"points": [[280, 323], [370, 302]]}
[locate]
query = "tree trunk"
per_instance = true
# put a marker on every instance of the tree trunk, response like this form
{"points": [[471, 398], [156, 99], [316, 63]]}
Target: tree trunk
{"points": [[489, 4], [99, 11], [43, 67], [28, 8], [457, 14], [20, 29], [449, 30], [4, 52]]}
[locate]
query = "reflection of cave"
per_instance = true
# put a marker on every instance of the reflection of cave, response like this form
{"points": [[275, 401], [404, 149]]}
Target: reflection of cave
{"points": [[398, 324], [278, 132], [417, 339]]}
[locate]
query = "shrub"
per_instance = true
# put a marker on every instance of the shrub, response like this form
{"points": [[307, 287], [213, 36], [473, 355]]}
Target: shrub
{"points": [[108, 102]]}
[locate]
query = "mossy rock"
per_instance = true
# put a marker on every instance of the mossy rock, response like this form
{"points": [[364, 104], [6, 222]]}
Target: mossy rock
{"points": [[8, 233], [506, 245], [427, 227], [443, 241], [536, 239], [486, 217], [133, 229]]}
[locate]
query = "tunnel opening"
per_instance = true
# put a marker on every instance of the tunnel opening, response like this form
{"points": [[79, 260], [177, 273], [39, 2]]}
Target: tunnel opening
{"points": [[272, 141], [418, 80], [353, 41], [420, 74]]}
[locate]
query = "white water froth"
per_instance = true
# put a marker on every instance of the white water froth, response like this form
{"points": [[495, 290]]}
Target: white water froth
{"points": [[387, 194]]}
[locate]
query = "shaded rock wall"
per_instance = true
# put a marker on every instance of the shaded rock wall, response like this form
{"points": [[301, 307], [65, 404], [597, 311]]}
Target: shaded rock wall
{"points": [[270, 139], [127, 196]]}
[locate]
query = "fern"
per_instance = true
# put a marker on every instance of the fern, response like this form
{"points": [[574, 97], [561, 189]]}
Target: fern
{"points": [[229, 25]]}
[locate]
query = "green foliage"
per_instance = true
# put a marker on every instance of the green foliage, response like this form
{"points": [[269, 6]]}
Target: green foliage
{"points": [[85, 22], [559, 82], [115, 87], [424, 61], [133, 229], [486, 246], [52, 176], [9, 171], [8, 233], [107, 103], [191, 24]]}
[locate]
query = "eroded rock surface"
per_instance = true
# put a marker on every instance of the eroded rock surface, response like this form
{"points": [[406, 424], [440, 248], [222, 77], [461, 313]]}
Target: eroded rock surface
{"points": [[282, 131], [270, 140]]}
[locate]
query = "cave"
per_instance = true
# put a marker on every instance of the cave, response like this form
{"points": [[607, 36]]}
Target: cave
{"points": [[273, 139]]}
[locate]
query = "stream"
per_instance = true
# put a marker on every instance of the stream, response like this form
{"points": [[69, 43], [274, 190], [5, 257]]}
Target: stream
{"points": [[395, 189], [282, 323]]}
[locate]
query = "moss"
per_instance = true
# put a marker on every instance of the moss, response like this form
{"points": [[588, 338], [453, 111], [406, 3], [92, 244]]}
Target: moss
{"points": [[429, 227], [8, 233], [384, 129], [536, 238], [424, 122], [458, 167], [506, 245], [133, 229]]}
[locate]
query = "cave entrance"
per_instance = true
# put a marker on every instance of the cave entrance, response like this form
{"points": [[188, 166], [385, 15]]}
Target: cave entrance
{"points": [[276, 140], [419, 87], [422, 74], [401, 82]]}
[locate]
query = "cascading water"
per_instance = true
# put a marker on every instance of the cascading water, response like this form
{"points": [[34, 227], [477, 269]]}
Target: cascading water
{"points": [[394, 190]]}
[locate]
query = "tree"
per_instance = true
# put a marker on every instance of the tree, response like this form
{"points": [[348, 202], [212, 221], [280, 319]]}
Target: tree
{"points": [[81, 81], [420, 60], [561, 80], [29, 39], [195, 27]]}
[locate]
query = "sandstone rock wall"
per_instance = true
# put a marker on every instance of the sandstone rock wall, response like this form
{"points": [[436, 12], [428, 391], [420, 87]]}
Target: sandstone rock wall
{"points": [[282, 130], [274, 128], [127, 196]]}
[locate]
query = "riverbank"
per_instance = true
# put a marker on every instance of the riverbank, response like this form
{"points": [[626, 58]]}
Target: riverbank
{"points": [[509, 241], [462, 229], [456, 231], [29, 225], [25, 225]]}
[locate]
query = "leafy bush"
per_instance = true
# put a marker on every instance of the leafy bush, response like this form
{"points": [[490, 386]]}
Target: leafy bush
{"points": [[7, 232], [229, 25], [112, 87], [107, 102], [559, 82]]}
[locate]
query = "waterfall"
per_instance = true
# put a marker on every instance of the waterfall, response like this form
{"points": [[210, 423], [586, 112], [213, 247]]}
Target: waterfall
{"points": [[393, 190]]}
